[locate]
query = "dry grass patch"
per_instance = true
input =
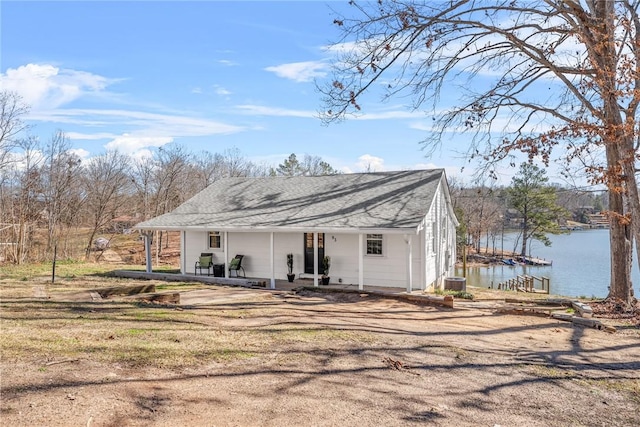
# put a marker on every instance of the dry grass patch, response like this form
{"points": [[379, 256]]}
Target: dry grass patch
{"points": [[126, 333], [631, 387], [134, 334]]}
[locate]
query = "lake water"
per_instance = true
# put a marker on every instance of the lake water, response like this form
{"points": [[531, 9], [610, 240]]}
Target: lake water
{"points": [[581, 265]]}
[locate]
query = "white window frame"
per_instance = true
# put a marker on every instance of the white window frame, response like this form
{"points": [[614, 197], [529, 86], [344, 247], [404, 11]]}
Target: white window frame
{"points": [[366, 244], [220, 236]]}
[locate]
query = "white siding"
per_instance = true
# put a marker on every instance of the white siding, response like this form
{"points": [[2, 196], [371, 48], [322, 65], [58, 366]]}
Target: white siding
{"points": [[196, 242], [440, 238], [430, 264]]}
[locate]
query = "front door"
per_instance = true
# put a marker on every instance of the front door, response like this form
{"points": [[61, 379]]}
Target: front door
{"points": [[308, 252]]}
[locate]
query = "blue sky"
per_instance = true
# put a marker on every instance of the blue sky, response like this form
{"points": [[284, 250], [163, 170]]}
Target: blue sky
{"points": [[208, 75]]}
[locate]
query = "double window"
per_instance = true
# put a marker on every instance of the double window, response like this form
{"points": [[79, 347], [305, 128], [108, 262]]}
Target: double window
{"points": [[215, 240], [374, 244]]}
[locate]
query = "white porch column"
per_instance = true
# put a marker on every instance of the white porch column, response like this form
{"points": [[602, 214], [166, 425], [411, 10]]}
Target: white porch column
{"points": [[148, 235], [361, 261], [225, 244], [410, 275], [315, 259], [272, 259], [183, 255]]}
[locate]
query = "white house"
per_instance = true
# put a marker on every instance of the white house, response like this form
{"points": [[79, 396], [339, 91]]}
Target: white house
{"points": [[394, 229]]}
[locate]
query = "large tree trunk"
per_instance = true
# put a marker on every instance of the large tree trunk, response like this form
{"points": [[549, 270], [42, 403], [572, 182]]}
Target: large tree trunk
{"points": [[633, 204], [620, 287], [620, 231]]}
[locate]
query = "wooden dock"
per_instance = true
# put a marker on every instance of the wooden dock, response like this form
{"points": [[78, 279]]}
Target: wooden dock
{"points": [[526, 283], [535, 261]]}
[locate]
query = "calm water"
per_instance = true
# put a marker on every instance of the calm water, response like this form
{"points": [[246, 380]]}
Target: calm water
{"points": [[580, 265]]}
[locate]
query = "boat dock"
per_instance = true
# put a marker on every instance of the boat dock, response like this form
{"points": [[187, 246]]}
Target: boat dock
{"points": [[526, 283], [534, 261]]}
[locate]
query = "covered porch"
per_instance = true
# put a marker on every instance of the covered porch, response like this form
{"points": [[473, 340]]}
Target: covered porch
{"points": [[265, 253]]}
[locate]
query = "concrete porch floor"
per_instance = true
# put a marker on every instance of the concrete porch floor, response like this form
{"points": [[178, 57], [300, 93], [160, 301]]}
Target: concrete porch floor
{"points": [[281, 285]]}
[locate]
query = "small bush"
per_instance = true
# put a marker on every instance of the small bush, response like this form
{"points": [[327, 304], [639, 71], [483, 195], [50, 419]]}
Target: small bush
{"points": [[455, 294]]}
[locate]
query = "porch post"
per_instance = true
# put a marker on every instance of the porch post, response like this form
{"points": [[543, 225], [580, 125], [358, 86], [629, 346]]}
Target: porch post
{"points": [[410, 250], [361, 261], [225, 244], [183, 255], [315, 259], [273, 271], [147, 249]]}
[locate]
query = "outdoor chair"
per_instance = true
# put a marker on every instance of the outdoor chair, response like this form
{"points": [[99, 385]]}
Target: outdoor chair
{"points": [[236, 265], [205, 262]]}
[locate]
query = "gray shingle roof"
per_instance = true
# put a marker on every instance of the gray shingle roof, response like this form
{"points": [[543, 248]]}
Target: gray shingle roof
{"points": [[383, 200]]}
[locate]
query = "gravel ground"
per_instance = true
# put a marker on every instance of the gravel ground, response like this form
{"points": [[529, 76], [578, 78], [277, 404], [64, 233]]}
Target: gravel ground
{"points": [[334, 360]]}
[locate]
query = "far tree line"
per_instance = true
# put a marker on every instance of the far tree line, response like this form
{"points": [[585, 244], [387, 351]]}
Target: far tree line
{"points": [[529, 205], [45, 186], [51, 193], [50, 188]]}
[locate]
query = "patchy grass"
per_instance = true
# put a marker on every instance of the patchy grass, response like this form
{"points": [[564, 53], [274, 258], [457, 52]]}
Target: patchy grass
{"points": [[455, 294], [551, 372], [321, 335], [631, 387], [120, 333], [67, 270], [34, 280], [135, 334]]}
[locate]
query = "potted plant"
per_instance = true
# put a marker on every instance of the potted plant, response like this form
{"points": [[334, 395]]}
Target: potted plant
{"points": [[326, 264], [290, 274]]}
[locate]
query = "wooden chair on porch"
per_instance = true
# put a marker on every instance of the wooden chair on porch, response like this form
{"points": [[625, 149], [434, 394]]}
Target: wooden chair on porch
{"points": [[205, 262], [236, 265]]}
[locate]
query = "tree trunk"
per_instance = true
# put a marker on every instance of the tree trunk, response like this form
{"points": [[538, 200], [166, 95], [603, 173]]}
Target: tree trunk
{"points": [[633, 200], [525, 238], [620, 231], [620, 251]]}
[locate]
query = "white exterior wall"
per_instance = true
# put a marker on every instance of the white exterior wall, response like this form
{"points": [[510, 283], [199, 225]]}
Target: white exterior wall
{"points": [[440, 240], [196, 242], [430, 264], [390, 269]]}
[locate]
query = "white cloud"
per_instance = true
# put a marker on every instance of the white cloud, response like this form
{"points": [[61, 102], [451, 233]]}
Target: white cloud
{"points": [[149, 123], [80, 152], [89, 136], [46, 86], [271, 111], [222, 91], [227, 62], [369, 163], [129, 144], [141, 154], [419, 166], [300, 71], [196, 90], [390, 115]]}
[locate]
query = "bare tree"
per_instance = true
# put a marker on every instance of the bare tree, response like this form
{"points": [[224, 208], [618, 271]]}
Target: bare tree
{"points": [[314, 165], [22, 208], [60, 177], [310, 166], [171, 182], [11, 125], [208, 168], [142, 174], [562, 74], [105, 182], [235, 164], [481, 212]]}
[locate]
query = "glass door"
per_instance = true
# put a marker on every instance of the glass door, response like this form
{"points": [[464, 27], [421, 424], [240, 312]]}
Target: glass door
{"points": [[308, 252]]}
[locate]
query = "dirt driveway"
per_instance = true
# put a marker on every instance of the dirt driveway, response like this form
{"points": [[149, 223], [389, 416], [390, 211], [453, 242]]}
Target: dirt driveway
{"points": [[257, 358]]}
